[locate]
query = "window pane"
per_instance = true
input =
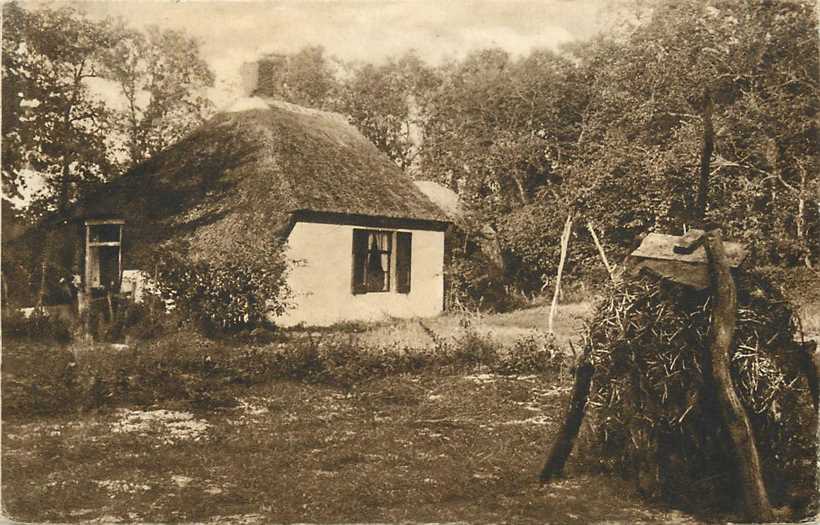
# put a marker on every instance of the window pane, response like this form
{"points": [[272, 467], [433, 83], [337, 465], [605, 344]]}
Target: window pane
{"points": [[105, 232], [378, 262]]}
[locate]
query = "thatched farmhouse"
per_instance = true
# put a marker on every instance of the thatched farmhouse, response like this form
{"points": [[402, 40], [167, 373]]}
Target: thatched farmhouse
{"points": [[367, 242]]}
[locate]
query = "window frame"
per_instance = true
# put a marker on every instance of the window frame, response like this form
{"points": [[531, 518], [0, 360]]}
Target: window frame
{"points": [[361, 250]]}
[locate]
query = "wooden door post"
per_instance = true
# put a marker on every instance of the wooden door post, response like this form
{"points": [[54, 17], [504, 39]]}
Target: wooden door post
{"points": [[724, 314]]}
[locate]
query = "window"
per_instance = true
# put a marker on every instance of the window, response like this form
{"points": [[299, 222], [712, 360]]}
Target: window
{"points": [[103, 254], [381, 261]]}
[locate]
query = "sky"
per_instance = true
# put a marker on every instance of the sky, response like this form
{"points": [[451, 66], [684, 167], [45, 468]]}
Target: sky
{"points": [[231, 33]]}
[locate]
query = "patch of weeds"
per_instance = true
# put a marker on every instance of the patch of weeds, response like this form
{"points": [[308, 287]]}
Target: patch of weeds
{"points": [[473, 350], [38, 377], [530, 355]]}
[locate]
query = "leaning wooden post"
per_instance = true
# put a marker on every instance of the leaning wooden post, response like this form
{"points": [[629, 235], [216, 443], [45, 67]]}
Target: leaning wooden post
{"points": [[601, 251], [562, 446], [724, 313], [564, 242]]}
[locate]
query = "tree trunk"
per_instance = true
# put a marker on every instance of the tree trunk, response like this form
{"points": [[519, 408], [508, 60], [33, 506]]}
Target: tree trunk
{"points": [[41, 294], [800, 220], [564, 243], [564, 441], [705, 158], [756, 501], [65, 187]]}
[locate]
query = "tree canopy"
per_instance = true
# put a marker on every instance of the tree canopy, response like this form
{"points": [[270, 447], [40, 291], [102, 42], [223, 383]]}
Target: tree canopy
{"points": [[60, 127]]}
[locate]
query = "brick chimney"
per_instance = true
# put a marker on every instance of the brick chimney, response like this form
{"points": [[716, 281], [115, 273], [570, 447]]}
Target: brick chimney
{"points": [[264, 77]]}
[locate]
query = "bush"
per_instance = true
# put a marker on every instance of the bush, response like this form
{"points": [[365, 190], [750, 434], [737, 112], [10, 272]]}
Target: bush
{"points": [[237, 286], [38, 325], [136, 321]]}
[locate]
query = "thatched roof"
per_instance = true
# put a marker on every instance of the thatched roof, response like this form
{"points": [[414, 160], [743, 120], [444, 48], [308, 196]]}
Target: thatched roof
{"points": [[247, 171], [445, 198]]}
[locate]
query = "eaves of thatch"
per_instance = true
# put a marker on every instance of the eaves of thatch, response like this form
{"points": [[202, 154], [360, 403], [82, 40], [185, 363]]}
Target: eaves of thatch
{"points": [[246, 174]]}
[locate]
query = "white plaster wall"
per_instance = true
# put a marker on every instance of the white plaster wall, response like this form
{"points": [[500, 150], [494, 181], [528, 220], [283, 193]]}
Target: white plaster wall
{"points": [[320, 281]]}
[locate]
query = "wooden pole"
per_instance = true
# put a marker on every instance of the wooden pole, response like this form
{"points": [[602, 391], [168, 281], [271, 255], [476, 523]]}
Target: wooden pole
{"points": [[564, 441], [724, 313], [564, 243], [705, 158], [601, 252]]}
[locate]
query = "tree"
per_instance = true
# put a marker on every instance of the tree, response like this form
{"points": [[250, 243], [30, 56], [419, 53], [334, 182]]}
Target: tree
{"points": [[644, 125], [499, 127], [14, 83], [56, 126], [498, 131], [389, 103], [163, 79]]}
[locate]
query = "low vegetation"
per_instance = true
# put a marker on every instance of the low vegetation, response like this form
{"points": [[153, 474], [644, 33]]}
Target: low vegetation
{"points": [[421, 447], [436, 420], [186, 366]]}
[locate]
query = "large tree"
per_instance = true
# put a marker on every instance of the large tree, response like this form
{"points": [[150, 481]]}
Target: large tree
{"points": [[55, 126], [163, 80], [755, 66]]}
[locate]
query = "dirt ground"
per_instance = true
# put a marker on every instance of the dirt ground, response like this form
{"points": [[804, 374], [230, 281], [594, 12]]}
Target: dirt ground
{"points": [[421, 448]]}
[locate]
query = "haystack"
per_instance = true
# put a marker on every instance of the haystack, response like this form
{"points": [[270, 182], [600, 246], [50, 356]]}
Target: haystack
{"points": [[654, 414]]}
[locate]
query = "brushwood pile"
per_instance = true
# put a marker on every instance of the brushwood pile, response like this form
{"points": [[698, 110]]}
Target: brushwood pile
{"points": [[653, 412]]}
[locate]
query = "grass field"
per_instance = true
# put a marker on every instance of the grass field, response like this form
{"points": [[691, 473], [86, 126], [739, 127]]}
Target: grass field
{"points": [[411, 447], [506, 328], [434, 446]]}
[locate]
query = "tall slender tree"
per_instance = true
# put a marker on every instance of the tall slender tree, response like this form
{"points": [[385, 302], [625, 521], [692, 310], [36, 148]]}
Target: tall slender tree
{"points": [[163, 80]]}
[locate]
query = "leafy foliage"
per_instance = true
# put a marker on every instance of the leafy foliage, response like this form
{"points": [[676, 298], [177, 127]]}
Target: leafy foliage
{"points": [[239, 285], [389, 103], [55, 125]]}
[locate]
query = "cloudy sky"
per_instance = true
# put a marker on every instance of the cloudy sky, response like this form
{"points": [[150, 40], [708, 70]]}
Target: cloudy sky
{"points": [[234, 32]]}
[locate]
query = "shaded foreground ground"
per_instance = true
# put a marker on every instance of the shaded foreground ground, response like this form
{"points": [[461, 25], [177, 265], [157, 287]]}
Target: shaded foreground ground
{"points": [[409, 447]]}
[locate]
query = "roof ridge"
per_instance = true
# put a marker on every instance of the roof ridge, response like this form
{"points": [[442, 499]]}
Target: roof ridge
{"points": [[302, 110]]}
